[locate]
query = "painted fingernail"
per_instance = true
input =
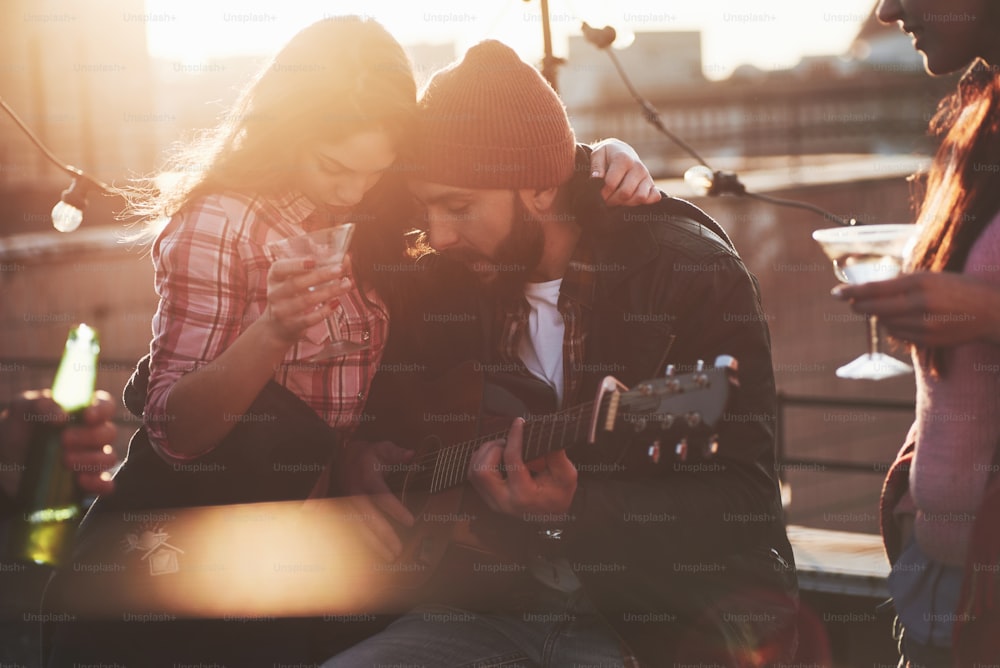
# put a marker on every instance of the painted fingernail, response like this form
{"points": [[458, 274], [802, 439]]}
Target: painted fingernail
{"points": [[838, 291], [596, 174]]}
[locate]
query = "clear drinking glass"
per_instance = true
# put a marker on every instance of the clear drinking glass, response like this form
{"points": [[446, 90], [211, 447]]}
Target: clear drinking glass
{"points": [[328, 247], [862, 254]]}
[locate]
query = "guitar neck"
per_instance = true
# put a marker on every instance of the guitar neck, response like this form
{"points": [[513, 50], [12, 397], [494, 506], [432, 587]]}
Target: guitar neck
{"points": [[448, 467], [668, 410]]}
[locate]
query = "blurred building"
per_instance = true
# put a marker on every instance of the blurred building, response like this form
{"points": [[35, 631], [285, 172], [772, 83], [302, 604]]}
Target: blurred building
{"points": [[78, 74], [874, 98], [654, 61]]}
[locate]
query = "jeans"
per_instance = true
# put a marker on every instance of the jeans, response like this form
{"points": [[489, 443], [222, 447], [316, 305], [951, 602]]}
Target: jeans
{"points": [[915, 654], [556, 630], [925, 594], [926, 656]]}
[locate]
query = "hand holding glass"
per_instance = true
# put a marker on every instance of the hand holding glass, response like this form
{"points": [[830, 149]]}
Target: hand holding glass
{"points": [[328, 247], [860, 255]]}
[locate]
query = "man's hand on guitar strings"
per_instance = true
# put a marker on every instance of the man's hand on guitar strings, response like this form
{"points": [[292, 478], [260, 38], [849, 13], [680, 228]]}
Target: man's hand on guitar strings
{"points": [[363, 478], [543, 486]]}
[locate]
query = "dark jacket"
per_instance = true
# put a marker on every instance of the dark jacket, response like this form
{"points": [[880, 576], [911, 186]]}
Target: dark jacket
{"points": [[670, 290]]}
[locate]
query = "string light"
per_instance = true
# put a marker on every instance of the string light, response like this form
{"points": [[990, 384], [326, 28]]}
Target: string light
{"points": [[67, 214]]}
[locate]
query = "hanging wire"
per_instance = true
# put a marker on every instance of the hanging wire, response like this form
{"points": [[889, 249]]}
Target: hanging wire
{"points": [[720, 183], [67, 169], [795, 204], [651, 113]]}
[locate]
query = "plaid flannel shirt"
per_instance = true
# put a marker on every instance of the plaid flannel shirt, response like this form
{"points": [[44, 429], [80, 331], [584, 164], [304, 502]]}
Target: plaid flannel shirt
{"points": [[211, 278]]}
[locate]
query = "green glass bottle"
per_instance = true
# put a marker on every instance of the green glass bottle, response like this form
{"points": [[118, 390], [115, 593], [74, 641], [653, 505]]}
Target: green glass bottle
{"points": [[48, 500]]}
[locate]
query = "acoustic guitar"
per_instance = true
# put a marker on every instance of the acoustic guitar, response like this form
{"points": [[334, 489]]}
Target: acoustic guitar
{"points": [[668, 420]]}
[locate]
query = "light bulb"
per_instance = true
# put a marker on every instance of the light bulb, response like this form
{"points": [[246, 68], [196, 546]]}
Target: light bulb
{"points": [[700, 179], [67, 214], [624, 39], [66, 217]]}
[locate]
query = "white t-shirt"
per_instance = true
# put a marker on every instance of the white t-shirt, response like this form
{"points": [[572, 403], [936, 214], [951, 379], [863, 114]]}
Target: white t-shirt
{"points": [[541, 349], [542, 352]]}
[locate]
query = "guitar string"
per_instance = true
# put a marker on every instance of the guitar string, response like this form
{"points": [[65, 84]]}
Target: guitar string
{"points": [[432, 465], [551, 417], [446, 466], [480, 440], [459, 455]]}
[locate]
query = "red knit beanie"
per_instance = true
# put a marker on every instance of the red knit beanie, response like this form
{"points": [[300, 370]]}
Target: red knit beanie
{"points": [[491, 121]]}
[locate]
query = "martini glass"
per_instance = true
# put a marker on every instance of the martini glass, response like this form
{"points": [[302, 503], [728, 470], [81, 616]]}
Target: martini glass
{"points": [[860, 255], [328, 247]]}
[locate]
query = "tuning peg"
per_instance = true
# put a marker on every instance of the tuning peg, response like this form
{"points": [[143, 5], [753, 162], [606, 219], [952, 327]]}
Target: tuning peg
{"points": [[700, 375], [670, 370], [639, 423], [729, 363], [712, 447], [693, 419], [726, 362], [681, 450], [666, 421], [654, 452]]}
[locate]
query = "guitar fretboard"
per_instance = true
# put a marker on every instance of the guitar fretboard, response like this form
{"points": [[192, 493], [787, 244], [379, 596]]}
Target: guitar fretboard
{"points": [[448, 467]]}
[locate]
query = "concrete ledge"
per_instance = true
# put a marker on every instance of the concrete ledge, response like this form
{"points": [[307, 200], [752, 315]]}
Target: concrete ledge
{"points": [[840, 562], [49, 245]]}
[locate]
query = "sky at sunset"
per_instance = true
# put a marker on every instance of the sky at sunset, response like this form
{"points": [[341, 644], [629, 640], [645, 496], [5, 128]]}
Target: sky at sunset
{"points": [[771, 34]]}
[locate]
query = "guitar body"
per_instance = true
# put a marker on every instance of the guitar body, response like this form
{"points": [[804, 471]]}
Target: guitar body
{"points": [[447, 419], [438, 413]]}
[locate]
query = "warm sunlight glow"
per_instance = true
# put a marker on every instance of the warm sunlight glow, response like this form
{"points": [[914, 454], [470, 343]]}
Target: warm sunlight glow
{"points": [[240, 562], [769, 34]]}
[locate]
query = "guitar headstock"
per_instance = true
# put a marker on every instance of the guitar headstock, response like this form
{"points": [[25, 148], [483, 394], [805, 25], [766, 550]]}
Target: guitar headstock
{"points": [[677, 415]]}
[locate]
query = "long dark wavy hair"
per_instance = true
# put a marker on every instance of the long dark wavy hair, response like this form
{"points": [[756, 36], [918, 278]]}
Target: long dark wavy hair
{"points": [[961, 195], [337, 77]]}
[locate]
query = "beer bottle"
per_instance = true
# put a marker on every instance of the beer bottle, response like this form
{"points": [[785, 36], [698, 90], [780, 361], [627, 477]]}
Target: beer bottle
{"points": [[48, 500]]}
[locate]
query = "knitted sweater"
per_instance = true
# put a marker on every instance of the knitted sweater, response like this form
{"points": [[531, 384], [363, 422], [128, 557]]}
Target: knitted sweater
{"points": [[957, 428]]}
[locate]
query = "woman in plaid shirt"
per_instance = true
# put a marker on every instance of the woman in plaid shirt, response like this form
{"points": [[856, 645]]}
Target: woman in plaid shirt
{"points": [[314, 132]]}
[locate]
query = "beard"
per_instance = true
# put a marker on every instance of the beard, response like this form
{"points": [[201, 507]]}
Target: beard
{"points": [[519, 253]]}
